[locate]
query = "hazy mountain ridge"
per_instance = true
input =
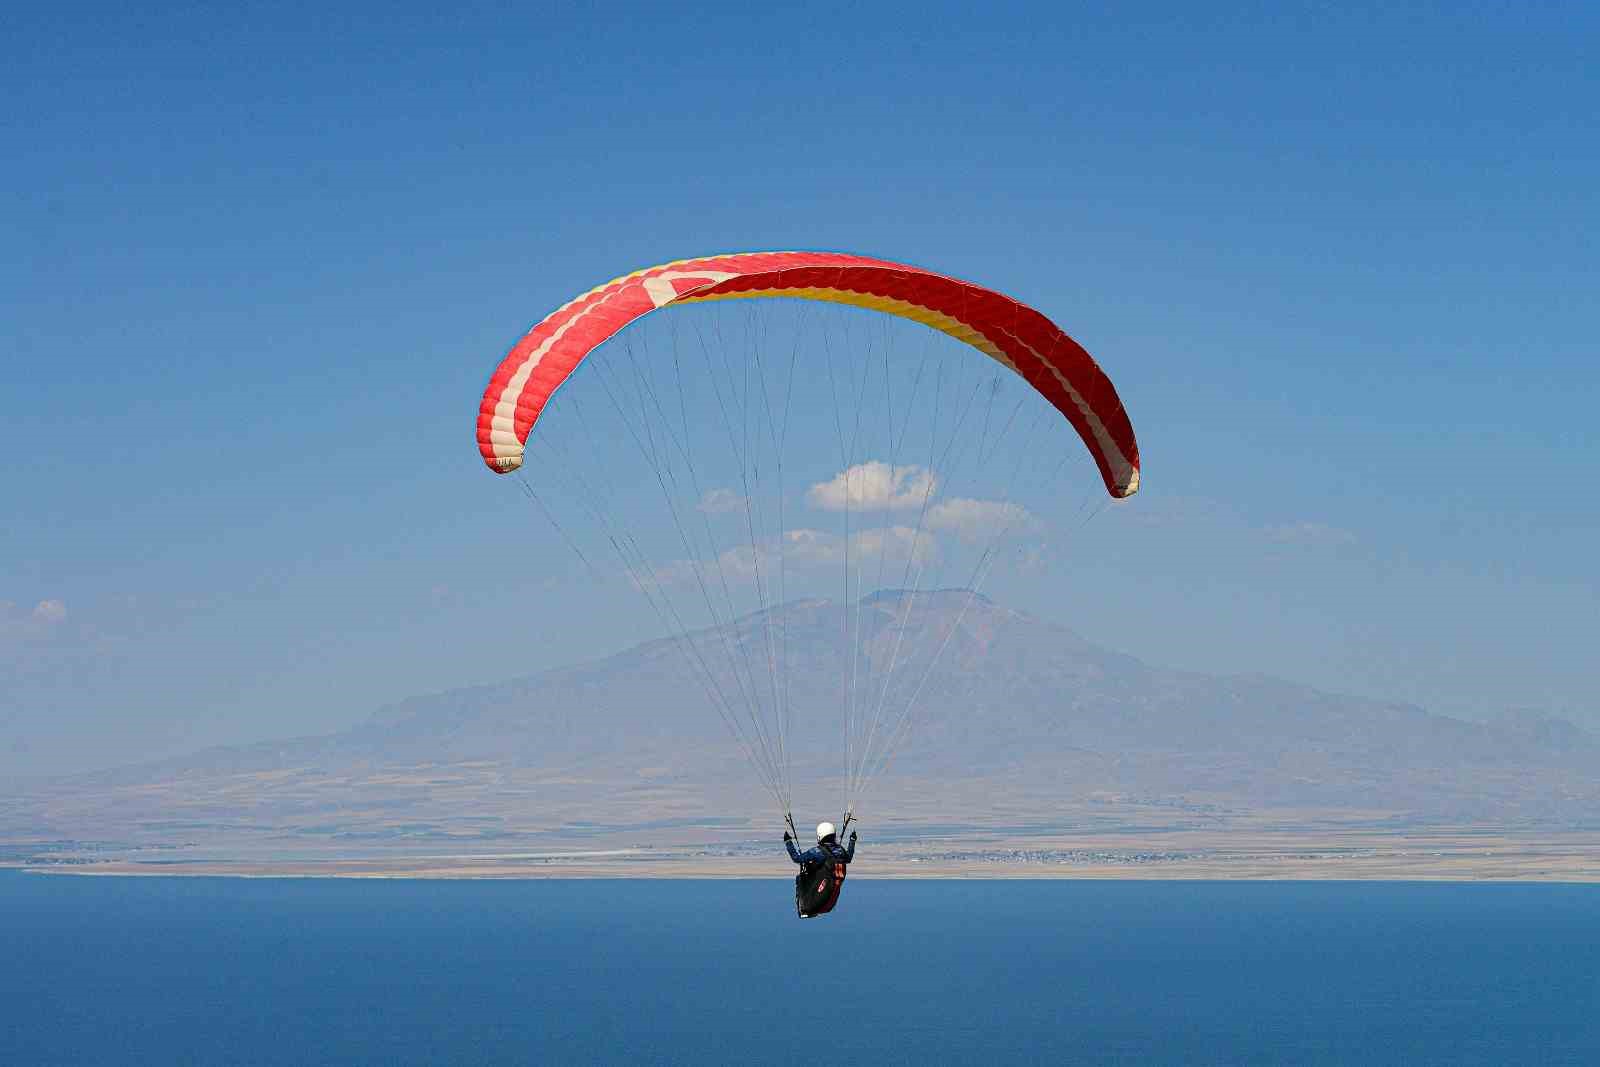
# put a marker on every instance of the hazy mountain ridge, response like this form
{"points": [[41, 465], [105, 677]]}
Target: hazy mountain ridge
{"points": [[1016, 711]]}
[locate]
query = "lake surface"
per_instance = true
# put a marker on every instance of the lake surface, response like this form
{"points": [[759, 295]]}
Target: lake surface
{"points": [[230, 971]]}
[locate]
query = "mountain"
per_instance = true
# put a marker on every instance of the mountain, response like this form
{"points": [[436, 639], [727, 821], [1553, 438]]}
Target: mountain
{"points": [[1019, 719]]}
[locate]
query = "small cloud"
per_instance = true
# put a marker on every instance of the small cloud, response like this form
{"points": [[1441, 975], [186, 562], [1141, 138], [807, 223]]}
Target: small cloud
{"points": [[49, 612], [873, 486], [808, 544], [973, 520], [44, 618], [1309, 533], [801, 548], [896, 544], [720, 502]]}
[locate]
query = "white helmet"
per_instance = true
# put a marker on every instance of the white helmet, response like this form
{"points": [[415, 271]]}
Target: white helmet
{"points": [[824, 830]]}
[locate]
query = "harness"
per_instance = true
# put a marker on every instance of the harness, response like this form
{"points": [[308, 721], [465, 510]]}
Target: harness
{"points": [[824, 887], [833, 890]]}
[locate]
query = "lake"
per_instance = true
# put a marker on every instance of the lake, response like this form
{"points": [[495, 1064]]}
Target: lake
{"points": [[236, 971]]}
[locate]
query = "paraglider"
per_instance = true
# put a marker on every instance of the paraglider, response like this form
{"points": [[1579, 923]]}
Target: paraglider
{"points": [[745, 398], [822, 871]]}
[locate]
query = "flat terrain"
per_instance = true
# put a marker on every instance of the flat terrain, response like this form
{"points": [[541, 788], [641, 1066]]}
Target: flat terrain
{"points": [[1484, 854], [1037, 755]]}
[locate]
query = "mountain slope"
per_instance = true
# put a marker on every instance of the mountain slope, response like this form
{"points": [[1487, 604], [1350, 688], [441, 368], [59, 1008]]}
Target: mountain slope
{"points": [[1016, 714]]}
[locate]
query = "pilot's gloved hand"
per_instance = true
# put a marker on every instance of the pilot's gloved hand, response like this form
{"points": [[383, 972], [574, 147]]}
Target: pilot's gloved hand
{"points": [[852, 837], [786, 836]]}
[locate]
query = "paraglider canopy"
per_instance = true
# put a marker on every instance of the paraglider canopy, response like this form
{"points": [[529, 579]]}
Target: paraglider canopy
{"points": [[1003, 329]]}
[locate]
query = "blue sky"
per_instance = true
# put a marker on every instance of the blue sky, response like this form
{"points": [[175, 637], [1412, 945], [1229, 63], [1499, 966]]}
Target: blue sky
{"points": [[1340, 261]]}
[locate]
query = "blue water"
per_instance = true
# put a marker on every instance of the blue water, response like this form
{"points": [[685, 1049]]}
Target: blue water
{"points": [[179, 971]]}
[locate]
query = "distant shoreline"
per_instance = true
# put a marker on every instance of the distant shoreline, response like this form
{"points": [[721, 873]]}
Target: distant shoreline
{"points": [[1463, 855], [1543, 878]]}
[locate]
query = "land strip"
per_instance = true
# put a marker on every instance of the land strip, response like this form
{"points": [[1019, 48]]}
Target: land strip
{"points": [[1473, 854]]}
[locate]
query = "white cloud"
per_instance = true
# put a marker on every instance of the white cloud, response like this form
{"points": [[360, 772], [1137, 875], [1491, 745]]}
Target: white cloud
{"points": [[49, 612], [896, 544], [873, 485], [973, 520], [804, 548], [720, 502], [811, 545], [45, 617], [1309, 533]]}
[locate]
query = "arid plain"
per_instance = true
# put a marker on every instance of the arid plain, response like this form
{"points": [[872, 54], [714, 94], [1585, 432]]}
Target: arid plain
{"points": [[1037, 755]]}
